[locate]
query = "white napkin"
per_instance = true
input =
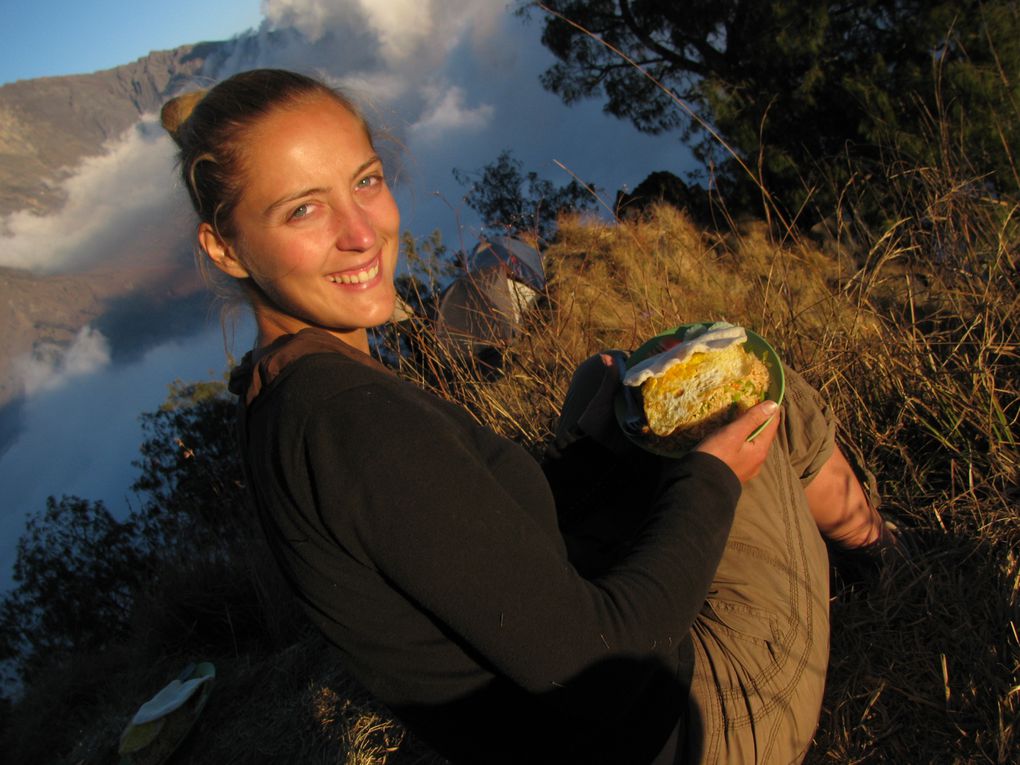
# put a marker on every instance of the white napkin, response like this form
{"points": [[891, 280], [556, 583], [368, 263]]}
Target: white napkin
{"points": [[717, 337], [168, 699]]}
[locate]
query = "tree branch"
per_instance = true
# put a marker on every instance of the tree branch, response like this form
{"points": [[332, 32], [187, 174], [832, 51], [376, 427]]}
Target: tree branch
{"points": [[674, 57]]}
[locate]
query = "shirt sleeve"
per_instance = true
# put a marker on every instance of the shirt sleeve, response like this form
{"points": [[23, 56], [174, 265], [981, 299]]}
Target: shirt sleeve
{"points": [[458, 544], [810, 427]]}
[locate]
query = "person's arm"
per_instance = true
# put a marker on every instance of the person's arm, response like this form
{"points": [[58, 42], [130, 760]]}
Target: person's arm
{"points": [[840, 505], [589, 446], [455, 541]]}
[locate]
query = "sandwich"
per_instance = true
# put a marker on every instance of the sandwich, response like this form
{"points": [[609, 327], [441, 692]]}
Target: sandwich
{"points": [[698, 384]]}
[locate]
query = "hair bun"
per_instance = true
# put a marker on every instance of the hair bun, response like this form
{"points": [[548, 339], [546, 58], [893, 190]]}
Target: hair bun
{"points": [[176, 111]]}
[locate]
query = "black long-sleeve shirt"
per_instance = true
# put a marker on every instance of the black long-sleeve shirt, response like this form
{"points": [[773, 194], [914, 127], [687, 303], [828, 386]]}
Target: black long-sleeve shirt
{"points": [[428, 550]]}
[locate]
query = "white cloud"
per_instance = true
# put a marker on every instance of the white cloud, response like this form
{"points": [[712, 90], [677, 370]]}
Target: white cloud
{"points": [[313, 18], [447, 113], [417, 34], [89, 352], [400, 25], [109, 198]]}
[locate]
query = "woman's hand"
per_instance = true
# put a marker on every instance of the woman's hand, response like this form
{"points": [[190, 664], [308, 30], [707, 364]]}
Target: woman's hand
{"points": [[730, 443]]}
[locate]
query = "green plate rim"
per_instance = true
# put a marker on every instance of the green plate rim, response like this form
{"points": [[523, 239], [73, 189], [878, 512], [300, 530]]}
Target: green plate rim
{"points": [[754, 343]]}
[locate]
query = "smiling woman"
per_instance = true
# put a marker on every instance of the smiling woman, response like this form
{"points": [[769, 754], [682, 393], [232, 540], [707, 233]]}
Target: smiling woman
{"points": [[434, 554], [314, 237], [316, 231]]}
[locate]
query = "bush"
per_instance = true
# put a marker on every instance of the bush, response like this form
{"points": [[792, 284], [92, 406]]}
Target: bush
{"points": [[75, 574]]}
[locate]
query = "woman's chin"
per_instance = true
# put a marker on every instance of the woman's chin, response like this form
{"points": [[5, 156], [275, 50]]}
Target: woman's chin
{"points": [[378, 313], [385, 307]]}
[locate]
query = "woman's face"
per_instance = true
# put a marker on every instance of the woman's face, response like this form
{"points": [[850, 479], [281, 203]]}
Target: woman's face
{"points": [[316, 227]]}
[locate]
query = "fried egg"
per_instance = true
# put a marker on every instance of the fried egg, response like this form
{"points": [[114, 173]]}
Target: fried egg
{"points": [[699, 384]]}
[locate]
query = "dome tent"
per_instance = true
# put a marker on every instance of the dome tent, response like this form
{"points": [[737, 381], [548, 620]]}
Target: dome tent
{"points": [[480, 312]]}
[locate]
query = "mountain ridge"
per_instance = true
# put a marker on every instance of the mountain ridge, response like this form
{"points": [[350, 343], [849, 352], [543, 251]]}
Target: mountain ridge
{"points": [[48, 127]]}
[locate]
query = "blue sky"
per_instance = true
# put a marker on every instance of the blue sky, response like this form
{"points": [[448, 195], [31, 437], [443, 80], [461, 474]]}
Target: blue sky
{"points": [[41, 39]]}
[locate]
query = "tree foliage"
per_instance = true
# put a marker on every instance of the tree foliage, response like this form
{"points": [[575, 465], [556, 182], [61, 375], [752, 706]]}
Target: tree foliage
{"points": [[79, 570], [75, 573], [190, 477], [796, 88], [512, 201]]}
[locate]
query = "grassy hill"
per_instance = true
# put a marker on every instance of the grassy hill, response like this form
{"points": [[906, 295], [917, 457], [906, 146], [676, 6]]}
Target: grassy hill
{"points": [[910, 331]]}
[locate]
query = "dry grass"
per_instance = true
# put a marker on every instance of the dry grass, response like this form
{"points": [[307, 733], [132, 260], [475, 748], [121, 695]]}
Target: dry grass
{"points": [[915, 345]]}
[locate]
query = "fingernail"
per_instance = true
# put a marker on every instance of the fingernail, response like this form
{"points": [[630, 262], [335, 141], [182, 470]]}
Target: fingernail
{"points": [[769, 407]]}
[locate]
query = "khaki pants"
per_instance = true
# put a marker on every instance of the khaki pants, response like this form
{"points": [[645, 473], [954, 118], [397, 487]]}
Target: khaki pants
{"points": [[762, 639]]}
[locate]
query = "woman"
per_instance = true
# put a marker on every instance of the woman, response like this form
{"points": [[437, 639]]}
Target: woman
{"points": [[429, 550]]}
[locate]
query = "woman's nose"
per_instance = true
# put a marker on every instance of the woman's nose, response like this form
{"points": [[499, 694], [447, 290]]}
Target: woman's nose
{"points": [[355, 229]]}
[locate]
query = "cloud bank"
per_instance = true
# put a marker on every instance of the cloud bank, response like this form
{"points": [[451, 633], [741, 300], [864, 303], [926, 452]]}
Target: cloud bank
{"points": [[446, 114], [110, 198], [88, 353]]}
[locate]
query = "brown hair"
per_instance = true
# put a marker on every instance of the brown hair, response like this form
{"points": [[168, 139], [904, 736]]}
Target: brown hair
{"points": [[209, 128]]}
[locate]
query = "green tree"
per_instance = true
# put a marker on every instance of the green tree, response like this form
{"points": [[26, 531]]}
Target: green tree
{"points": [[74, 577], [79, 570], [806, 93], [191, 481], [512, 201]]}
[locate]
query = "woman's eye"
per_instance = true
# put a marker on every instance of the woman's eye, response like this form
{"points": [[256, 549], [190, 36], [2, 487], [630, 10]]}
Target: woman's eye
{"points": [[369, 181], [299, 212]]}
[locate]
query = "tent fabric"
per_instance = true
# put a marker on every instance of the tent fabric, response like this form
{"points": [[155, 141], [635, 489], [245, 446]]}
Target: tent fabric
{"points": [[522, 261], [477, 310], [482, 308]]}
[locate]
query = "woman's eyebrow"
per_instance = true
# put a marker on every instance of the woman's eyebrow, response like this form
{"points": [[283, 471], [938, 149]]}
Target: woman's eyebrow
{"points": [[374, 159], [291, 197]]}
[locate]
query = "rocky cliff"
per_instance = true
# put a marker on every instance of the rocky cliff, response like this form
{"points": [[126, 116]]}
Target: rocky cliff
{"points": [[48, 126]]}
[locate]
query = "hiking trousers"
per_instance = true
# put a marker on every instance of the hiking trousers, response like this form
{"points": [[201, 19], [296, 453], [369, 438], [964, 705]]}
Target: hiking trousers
{"points": [[762, 639]]}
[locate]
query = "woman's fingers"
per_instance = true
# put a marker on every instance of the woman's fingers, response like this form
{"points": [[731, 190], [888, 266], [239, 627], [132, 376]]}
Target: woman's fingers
{"points": [[735, 445]]}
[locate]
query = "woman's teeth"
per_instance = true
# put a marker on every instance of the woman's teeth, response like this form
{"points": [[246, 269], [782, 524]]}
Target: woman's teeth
{"points": [[356, 277]]}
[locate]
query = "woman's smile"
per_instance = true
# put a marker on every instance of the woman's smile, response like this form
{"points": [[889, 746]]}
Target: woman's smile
{"points": [[362, 277]]}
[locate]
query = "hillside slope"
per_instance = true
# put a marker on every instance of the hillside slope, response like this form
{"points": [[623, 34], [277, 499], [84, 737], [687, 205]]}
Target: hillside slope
{"points": [[49, 124]]}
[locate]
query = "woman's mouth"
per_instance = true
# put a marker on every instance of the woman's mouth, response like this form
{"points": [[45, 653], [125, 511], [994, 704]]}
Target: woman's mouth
{"points": [[356, 275]]}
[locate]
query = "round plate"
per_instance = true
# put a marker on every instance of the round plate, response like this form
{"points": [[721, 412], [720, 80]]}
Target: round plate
{"points": [[628, 400]]}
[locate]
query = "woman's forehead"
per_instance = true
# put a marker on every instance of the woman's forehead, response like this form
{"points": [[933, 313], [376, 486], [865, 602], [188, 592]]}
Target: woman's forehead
{"points": [[315, 144], [293, 132]]}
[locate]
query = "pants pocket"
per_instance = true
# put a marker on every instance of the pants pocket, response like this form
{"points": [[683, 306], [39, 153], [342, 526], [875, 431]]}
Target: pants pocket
{"points": [[742, 644]]}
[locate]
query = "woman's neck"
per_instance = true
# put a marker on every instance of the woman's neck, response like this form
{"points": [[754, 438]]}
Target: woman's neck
{"points": [[272, 326]]}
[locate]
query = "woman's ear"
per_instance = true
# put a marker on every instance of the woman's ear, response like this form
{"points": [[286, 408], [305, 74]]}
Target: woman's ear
{"points": [[220, 252]]}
